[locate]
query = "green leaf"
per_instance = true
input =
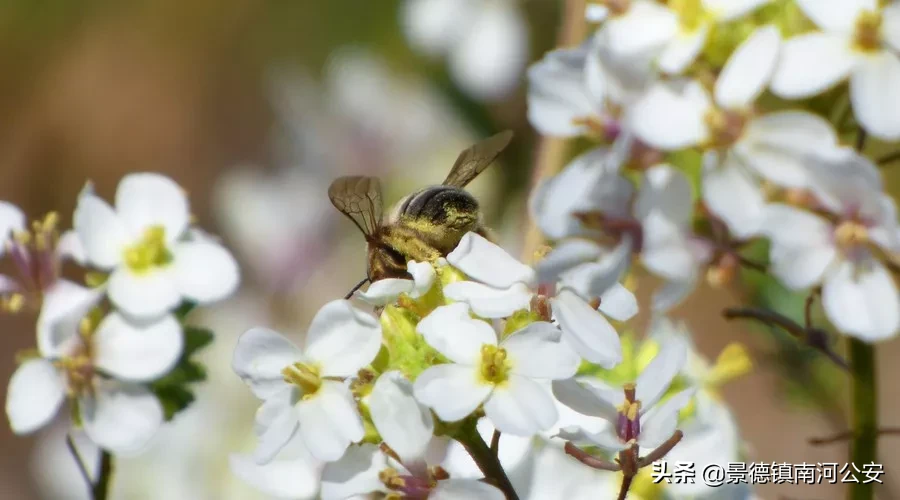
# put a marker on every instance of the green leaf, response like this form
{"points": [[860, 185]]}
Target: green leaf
{"points": [[174, 389]]}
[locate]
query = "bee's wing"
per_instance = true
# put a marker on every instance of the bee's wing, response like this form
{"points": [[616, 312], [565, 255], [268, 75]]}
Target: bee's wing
{"points": [[359, 198], [474, 160]]}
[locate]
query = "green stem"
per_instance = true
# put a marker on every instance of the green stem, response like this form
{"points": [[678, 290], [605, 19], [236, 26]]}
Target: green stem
{"points": [[486, 460], [864, 447], [100, 489]]}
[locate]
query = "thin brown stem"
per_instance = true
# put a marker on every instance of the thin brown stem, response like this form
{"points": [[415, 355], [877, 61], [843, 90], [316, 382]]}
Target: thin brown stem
{"points": [[495, 443], [79, 462], [101, 487], [889, 158], [590, 460]]}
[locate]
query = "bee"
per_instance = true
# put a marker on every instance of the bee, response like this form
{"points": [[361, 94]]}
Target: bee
{"points": [[422, 226]]}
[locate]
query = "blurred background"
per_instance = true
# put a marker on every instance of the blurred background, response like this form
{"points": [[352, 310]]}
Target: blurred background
{"points": [[254, 107]]}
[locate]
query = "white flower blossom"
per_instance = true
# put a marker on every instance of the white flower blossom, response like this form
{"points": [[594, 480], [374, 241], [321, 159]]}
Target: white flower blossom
{"points": [[298, 387], [739, 144], [142, 244], [503, 375], [116, 409], [859, 39], [502, 287], [859, 294], [632, 410], [386, 291]]}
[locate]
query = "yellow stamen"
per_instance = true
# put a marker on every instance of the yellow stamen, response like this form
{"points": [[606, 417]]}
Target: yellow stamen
{"points": [[850, 234], [13, 303], [304, 376], [726, 127], [494, 365], [867, 35], [149, 252], [391, 478]]}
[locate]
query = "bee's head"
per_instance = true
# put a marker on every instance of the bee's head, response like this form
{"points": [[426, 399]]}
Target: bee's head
{"points": [[385, 262]]}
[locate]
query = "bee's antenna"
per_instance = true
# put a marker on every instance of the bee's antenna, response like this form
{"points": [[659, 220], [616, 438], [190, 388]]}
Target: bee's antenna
{"points": [[355, 288]]}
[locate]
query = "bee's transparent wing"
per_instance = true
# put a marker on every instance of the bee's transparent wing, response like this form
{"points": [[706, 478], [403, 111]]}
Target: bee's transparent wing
{"points": [[474, 160], [359, 198]]}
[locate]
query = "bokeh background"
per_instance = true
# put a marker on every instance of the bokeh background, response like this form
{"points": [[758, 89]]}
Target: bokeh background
{"points": [[254, 107]]}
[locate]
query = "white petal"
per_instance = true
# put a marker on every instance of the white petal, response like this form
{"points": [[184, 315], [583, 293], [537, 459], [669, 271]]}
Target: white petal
{"points": [[564, 257], [606, 438], [100, 230], [890, 25], [259, 357], [653, 381], [329, 421], [667, 252], [296, 478], [836, 15], [556, 93], [667, 191], [145, 294], [452, 391], [670, 120], [862, 300], [36, 391], [811, 64], [748, 70], [404, 424], [385, 291], [589, 396], [121, 418], [455, 334], [521, 407], [342, 339], [556, 200], [846, 182], [204, 271], [147, 199], [733, 195], [682, 50], [595, 13], [802, 248], [137, 351], [535, 351], [594, 279], [618, 303], [11, 219], [465, 489], [875, 94], [671, 294], [488, 263], [423, 276], [356, 473], [489, 302], [64, 306], [586, 329], [70, 246], [646, 26], [659, 423], [276, 424], [488, 61], [777, 145], [432, 26]]}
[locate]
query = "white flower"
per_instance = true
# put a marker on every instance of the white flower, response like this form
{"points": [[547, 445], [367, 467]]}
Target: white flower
{"points": [[859, 294], [632, 410], [502, 288], [294, 473], [118, 413], [407, 428], [503, 376], [739, 145], [141, 243], [859, 40], [386, 291], [676, 34], [298, 388], [485, 41]]}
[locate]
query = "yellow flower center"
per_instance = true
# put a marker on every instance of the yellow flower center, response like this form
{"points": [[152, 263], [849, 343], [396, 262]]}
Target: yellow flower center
{"points": [[867, 35], [850, 234], [304, 376], [79, 372], [691, 14], [494, 365], [149, 252], [726, 127]]}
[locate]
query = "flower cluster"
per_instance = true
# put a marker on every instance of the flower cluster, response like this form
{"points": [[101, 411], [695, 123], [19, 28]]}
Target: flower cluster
{"points": [[471, 345], [115, 348], [706, 148]]}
